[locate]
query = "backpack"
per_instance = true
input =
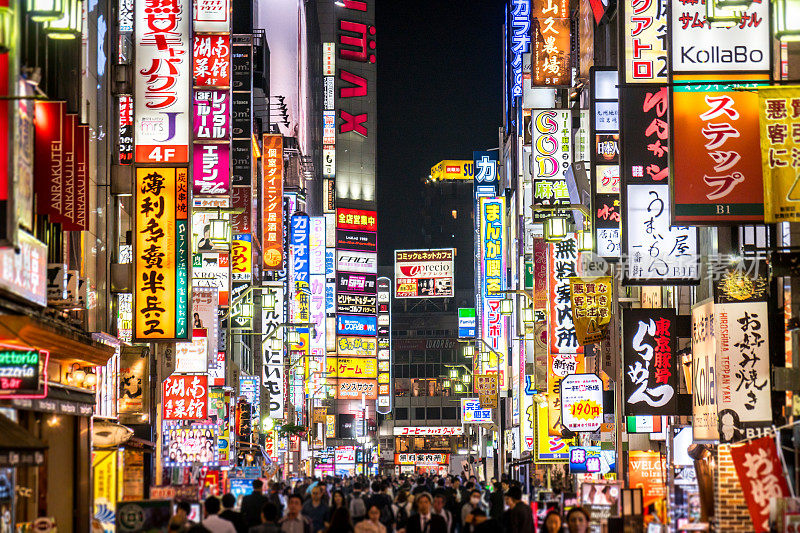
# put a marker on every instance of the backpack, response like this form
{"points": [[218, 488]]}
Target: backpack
{"points": [[387, 516], [401, 516], [357, 507]]}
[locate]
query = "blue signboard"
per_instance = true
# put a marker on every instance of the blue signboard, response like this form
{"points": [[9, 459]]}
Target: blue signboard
{"points": [[591, 460], [357, 325]]}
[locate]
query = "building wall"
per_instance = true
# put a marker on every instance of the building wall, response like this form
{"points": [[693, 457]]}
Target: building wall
{"points": [[731, 512]]}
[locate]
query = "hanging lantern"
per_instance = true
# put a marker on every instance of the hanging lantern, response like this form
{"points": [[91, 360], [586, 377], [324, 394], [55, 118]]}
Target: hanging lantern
{"points": [[468, 350], [69, 26], [527, 315], [220, 230], [585, 241], [787, 19], [44, 10], [7, 29], [555, 229]]}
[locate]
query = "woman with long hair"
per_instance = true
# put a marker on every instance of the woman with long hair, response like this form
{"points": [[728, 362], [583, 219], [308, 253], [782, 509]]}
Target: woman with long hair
{"points": [[373, 522], [340, 521]]}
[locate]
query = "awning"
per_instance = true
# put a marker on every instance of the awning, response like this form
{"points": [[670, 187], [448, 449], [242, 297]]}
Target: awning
{"points": [[17, 446], [63, 342]]}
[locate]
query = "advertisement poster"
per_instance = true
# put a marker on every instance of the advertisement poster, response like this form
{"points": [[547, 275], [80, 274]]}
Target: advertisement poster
{"points": [[778, 111], [704, 375], [591, 300], [185, 446], [559, 366], [424, 273], [647, 471], [581, 402]]}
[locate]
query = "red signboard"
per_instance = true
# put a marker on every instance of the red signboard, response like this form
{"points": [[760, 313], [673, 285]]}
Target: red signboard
{"points": [[357, 219], [49, 118], [272, 163], [185, 397], [212, 60], [761, 475]]}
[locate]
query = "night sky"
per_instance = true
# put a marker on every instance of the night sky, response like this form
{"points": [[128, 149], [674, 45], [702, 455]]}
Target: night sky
{"points": [[440, 85]]}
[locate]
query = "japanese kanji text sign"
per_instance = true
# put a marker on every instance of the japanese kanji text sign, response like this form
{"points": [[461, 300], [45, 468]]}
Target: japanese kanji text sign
{"points": [[645, 34], [582, 402], [185, 397], [704, 373], [272, 239], [162, 81], [650, 362], [161, 255], [494, 328], [212, 60], [423, 273], [779, 114], [716, 165], [591, 307], [550, 43]]}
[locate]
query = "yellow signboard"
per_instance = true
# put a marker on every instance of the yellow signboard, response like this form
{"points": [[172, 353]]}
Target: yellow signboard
{"points": [[591, 307], [161, 255], [106, 484], [352, 367], [451, 169], [779, 110], [549, 448], [330, 426], [357, 346]]}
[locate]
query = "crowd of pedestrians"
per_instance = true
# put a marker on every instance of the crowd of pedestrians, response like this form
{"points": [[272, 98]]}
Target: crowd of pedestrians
{"points": [[408, 504]]}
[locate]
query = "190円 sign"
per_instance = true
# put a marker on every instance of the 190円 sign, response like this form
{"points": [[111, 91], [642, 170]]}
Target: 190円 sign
{"points": [[582, 402]]}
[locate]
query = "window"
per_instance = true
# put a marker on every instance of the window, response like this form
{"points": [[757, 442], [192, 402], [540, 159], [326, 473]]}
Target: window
{"points": [[401, 356], [419, 413], [401, 412], [434, 413], [450, 413], [414, 371]]}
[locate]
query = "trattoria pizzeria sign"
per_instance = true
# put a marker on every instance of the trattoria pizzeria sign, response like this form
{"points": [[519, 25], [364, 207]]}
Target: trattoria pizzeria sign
{"points": [[19, 371]]}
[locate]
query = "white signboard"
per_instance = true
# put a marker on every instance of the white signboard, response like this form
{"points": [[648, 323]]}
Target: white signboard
{"points": [[699, 47], [657, 251], [471, 412], [704, 375], [192, 357], [743, 382], [366, 262], [272, 345], [162, 98], [423, 273], [211, 16], [582, 402]]}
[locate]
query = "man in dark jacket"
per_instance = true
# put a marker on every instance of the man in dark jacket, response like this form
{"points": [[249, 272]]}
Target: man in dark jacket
{"points": [[234, 517], [519, 517], [424, 520], [252, 504]]}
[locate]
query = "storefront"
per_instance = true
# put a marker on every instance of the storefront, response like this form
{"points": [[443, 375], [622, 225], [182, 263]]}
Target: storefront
{"points": [[422, 463]]}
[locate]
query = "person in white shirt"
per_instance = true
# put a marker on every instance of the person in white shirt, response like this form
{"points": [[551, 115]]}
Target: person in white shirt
{"points": [[212, 520]]}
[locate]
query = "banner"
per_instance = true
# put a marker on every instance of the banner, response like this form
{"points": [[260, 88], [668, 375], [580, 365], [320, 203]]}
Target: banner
{"points": [[473, 413], [161, 255], [760, 472], [134, 386], [651, 363], [424, 273], [494, 327], [272, 346], [354, 389], [551, 42], [560, 365], [647, 471], [778, 111], [548, 448], [591, 300], [562, 265]]}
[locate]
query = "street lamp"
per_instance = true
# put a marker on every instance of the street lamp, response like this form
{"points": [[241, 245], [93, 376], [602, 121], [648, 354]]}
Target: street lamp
{"points": [[507, 306], [69, 25], [293, 337], [555, 229], [787, 19], [527, 315], [468, 350], [585, 241], [42, 10]]}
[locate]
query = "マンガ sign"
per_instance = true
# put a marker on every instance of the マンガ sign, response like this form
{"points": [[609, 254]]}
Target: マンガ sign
{"points": [[582, 402], [423, 273]]}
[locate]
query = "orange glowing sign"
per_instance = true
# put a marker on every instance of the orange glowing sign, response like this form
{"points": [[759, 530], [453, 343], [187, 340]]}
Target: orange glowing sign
{"points": [[272, 164]]}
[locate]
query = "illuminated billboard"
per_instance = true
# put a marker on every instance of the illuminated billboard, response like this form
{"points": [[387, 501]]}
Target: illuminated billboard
{"points": [[424, 273]]}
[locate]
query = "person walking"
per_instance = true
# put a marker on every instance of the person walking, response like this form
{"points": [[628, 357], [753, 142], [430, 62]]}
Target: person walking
{"points": [[315, 510], [340, 521], [294, 521], [372, 524], [578, 520], [519, 517], [439, 501], [424, 521], [552, 523], [270, 514], [234, 517], [253, 503]]}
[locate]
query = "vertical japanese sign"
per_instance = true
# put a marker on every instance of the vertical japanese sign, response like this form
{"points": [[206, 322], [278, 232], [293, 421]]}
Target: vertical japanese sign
{"points": [[552, 156], [161, 255], [212, 60], [211, 170], [760, 471], [185, 397], [299, 268], [559, 366], [272, 163], [494, 328], [162, 79], [779, 111], [125, 129], [551, 42], [604, 157], [651, 364], [562, 265], [272, 346], [591, 307], [743, 372], [704, 375], [717, 176], [662, 253], [645, 34], [520, 41], [242, 257], [241, 114], [384, 341], [212, 115]]}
